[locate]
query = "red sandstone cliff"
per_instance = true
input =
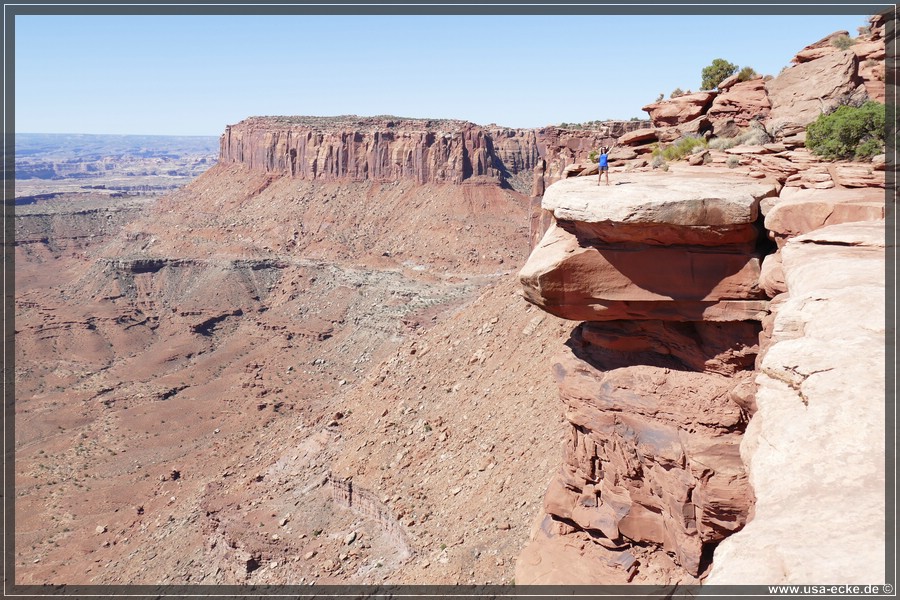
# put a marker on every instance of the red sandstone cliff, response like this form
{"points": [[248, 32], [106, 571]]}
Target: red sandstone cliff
{"points": [[385, 149], [656, 386], [698, 329]]}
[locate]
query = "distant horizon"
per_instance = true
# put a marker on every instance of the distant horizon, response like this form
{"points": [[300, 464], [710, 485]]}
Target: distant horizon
{"points": [[113, 134], [171, 75]]}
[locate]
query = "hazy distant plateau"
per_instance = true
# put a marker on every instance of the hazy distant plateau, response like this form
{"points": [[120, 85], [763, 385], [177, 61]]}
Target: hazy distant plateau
{"points": [[112, 165]]}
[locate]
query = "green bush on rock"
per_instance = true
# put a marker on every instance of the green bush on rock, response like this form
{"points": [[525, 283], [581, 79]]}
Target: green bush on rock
{"points": [[747, 73], [848, 132], [716, 73], [842, 42]]}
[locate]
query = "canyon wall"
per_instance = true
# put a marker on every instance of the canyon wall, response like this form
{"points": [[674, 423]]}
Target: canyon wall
{"points": [[329, 267], [386, 149]]}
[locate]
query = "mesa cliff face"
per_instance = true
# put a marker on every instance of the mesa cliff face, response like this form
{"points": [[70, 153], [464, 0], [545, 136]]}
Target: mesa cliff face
{"points": [[387, 149]]}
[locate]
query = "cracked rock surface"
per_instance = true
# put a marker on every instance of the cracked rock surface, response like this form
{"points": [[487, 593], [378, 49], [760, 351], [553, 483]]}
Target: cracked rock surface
{"points": [[815, 447]]}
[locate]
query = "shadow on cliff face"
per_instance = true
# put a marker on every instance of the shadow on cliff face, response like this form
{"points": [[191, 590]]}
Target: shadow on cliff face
{"points": [[717, 347]]}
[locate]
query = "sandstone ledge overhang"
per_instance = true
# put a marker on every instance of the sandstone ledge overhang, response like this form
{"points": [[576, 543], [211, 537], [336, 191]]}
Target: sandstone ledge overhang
{"points": [[658, 246], [684, 199], [582, 282]]}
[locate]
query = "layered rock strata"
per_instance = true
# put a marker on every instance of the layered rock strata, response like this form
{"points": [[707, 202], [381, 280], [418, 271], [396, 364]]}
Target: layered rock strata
{"points": [[653, 247], [657, 382], [387, 149]]}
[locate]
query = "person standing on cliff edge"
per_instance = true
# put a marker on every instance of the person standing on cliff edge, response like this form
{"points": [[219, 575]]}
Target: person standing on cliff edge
{"points": [[603, 163]]}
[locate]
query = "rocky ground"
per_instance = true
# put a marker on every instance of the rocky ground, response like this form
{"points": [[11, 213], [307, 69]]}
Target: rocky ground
{"points": [[304, 367], [219, 363]]}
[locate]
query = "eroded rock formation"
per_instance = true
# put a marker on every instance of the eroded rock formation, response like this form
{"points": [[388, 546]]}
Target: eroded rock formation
{"points": [[387, 149], [740, 104], [834, 71], [803, 92], [688, 280], [680, 109], [658, 247], [657, 382]]}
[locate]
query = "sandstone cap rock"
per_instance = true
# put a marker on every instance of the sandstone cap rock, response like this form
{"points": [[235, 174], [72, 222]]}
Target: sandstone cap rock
{"points": [[670, 199]]}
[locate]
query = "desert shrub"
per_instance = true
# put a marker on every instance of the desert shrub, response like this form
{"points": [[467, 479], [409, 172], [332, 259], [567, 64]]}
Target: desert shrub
{"points": [[681, 148], [676, 92], [716, 73], [733, 162], [864, 30], [722, 143], [747, 73], [592, 157], [848, 132], [755, 135], [842, 42], [658, 162], [660, 97], [869, 148]]}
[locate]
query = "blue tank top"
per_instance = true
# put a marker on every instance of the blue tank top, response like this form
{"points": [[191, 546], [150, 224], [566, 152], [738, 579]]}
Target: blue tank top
{"points": [[603, 159]]}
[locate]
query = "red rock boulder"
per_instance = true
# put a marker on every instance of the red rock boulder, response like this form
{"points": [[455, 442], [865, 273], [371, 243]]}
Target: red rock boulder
{"points": [[742, 103], [682, 109], [803, 92]]}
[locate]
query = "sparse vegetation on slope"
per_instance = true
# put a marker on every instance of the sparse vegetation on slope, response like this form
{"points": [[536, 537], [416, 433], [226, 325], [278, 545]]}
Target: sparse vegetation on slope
{"points": [[595, 124], [681, 148], [843, 42]]}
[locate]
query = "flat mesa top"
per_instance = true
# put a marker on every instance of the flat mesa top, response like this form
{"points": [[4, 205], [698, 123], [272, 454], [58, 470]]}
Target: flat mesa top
{"points": [[689, 200], [343, 122]]}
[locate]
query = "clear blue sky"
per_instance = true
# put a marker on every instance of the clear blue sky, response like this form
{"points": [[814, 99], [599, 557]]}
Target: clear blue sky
{"points": [[193, 75]]}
